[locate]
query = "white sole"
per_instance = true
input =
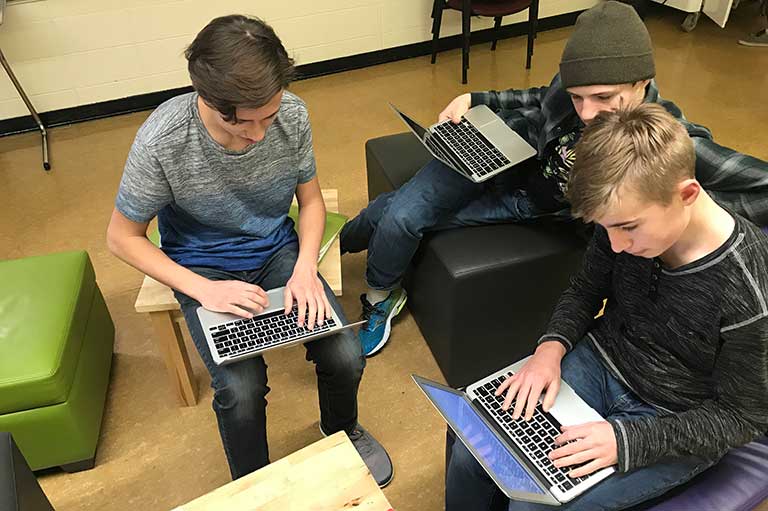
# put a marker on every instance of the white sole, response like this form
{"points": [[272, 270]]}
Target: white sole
{"points": [[388, 324]]}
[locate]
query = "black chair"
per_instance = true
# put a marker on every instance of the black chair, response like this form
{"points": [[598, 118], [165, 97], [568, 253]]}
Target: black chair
{"points": [[19, 489], [495, 9]]}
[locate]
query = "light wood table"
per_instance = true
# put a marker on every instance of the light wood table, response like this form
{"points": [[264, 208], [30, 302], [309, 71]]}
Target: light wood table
{"points": [[328, 475], [158, 301]]}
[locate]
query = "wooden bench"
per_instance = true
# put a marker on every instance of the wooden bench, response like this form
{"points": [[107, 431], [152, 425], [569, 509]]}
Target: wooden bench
{"points": [[328, 475], [158, 301]]}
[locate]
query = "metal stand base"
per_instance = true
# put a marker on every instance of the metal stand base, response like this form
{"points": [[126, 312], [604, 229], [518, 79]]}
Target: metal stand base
{"points": [[7, 67]]}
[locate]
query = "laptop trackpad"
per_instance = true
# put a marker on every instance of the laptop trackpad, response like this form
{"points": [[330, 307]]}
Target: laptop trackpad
{"points": [[480, 116]]}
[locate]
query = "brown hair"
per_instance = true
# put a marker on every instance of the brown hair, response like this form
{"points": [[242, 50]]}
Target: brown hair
{"points": [[238, 61], [644, 149]]}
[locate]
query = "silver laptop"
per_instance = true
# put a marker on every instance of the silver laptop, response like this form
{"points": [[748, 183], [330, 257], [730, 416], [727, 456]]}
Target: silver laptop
{"points": [[478, 147], [514, 452], [232, 338]]}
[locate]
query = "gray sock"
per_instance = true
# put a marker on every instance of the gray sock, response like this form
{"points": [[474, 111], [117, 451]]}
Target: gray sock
{"points": [[375, 296]]}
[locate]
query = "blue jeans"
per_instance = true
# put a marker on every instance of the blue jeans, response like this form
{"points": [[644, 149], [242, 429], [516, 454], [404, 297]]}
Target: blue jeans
{"points": [[436, 198], [240, 388], [468, 487]]}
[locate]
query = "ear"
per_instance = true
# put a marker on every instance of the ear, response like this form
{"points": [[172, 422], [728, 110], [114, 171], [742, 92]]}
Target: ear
{"points": [[640, 88], [689, 191]]}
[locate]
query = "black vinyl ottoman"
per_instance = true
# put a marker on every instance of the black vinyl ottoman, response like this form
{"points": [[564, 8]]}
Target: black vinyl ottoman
{"points": [[481, 295]]}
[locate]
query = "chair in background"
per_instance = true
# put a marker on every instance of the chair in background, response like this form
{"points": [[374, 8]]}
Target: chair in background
{"points": [[495, 9], [19, 489]]}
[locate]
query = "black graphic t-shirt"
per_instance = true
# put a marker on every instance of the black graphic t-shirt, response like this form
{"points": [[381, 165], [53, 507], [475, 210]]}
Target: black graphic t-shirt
{"points": [[547, 187]]}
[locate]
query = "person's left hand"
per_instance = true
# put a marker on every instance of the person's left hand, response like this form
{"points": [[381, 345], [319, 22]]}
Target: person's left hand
{"points": [[306, 288], [595, 445]]}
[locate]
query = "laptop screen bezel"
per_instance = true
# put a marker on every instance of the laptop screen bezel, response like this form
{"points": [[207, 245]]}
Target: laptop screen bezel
{"points": [[513, 493]]}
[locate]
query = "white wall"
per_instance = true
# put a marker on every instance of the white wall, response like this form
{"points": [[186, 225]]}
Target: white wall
{"points": [[76, 52]]}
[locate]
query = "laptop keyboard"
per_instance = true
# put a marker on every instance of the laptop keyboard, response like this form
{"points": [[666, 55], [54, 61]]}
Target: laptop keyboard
{"points": [[260, 332], [477, 153], [536, 437]]}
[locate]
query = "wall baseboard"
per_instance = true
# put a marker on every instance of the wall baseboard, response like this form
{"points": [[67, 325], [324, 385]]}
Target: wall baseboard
{"points": [[153, 99]]}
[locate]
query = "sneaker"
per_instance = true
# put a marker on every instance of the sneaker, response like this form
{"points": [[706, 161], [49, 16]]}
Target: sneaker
{"points": [[374, 333], [756, 39], [373, 454]]}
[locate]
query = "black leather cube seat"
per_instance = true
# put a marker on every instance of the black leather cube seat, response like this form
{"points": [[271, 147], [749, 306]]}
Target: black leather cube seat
{"points": [[481, 295], [19, 489]]}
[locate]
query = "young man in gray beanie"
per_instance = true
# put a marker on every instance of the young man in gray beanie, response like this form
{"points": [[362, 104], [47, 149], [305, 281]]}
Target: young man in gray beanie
{"points": [[607, 63]]}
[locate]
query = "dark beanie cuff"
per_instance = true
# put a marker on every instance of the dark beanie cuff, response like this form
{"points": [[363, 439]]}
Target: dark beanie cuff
{"points": [[607, 70]]}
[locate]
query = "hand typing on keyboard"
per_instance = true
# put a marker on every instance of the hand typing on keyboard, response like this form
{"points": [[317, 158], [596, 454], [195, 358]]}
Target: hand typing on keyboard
{"points": [[592, 445], [306, 289], [540, 373], [233, 296]]}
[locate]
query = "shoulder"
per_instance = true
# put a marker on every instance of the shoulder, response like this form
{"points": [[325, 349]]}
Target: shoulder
{"points": [[167, 119], [748, 279], [752, 250], [293, 109]]}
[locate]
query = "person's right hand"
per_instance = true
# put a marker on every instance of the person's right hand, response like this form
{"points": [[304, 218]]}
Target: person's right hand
{"points": [[456, 108], [542, 371], [233, 296]]}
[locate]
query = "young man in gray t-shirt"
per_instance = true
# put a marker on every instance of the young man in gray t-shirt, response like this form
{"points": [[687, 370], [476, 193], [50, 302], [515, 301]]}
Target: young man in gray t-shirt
{"points": [[219, 168]]}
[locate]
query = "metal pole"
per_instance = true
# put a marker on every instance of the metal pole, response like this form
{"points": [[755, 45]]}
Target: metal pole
{"points": [[7, 67]]}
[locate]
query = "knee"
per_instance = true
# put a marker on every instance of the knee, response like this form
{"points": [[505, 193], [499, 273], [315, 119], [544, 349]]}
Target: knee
{"points": [[346, 362], [405, 219], [240, 394], [346, 368]]}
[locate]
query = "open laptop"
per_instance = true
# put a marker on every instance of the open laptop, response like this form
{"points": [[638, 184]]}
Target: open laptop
{"points": [[232, 338], [514, 452], [478, 147]]}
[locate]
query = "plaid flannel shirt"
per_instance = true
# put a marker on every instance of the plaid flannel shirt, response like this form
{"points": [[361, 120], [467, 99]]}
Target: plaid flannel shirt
{"points": [[542, 114]]}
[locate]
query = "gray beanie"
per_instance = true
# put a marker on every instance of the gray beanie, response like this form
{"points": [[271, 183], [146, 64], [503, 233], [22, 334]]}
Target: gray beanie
{"points": [[609, 45]]}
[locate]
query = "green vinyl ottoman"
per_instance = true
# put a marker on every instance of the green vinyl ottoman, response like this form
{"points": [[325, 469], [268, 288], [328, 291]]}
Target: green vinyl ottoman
{"points": [[56, 340]]}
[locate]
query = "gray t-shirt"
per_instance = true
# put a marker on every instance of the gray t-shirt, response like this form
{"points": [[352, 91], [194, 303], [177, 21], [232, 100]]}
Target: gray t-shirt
{"points": [[216, 207]]}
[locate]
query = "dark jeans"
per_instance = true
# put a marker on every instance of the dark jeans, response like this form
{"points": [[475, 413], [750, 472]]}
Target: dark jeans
{"points": [[468, 487], [393, 224], [240, 388]]}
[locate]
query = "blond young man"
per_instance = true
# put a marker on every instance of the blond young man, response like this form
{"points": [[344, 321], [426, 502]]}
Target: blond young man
{"points": [[676, 364]]}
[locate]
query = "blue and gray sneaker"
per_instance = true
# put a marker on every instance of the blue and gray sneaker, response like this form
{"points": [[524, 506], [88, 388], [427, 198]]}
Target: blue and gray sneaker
{"points": [[375, 331]]}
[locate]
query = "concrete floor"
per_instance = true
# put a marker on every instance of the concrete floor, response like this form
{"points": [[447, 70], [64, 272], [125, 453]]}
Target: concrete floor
{"points": [[154, 455]]}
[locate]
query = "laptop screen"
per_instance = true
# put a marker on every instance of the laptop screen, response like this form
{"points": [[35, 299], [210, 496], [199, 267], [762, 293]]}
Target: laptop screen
{"points": [[420, 132], [479, 437]]}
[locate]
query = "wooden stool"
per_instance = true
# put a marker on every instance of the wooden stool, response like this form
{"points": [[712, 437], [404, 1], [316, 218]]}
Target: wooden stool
{"points": [[158, 301]]}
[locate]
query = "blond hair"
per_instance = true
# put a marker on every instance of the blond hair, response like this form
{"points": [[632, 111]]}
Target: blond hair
{"points": [[643, 149]]}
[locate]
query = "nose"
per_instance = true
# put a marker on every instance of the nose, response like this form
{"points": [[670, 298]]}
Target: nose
{"points": [[589, 110], [256, 133], [620, 241]]}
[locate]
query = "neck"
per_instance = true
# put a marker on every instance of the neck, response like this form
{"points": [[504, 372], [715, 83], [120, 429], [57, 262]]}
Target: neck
{"points": [[210, 121], [708, 228]]}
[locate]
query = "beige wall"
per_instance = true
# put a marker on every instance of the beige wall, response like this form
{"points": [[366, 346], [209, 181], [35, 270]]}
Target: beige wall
{"points": [[76, 52]]}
